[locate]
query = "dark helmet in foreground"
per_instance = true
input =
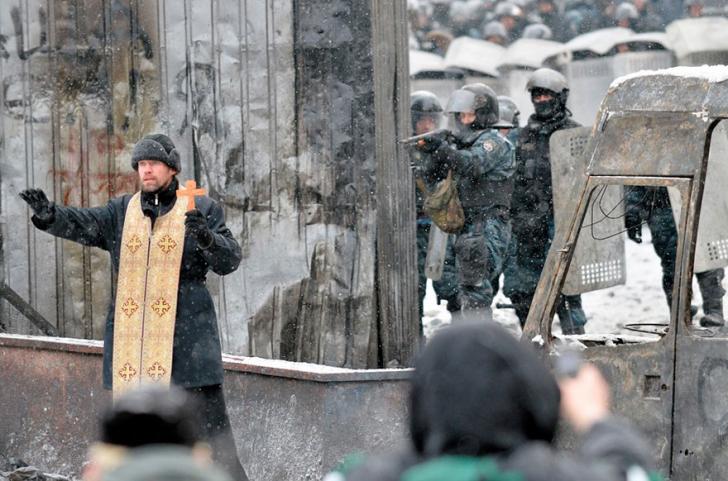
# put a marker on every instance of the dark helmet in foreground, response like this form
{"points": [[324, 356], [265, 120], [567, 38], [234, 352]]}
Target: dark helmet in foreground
{"points": [[424, 103], [152, 415], [509, 113], [477, 98]]}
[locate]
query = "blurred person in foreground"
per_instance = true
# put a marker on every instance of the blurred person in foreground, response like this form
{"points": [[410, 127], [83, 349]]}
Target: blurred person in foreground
{"points": [[483, 406], [151, 434]]}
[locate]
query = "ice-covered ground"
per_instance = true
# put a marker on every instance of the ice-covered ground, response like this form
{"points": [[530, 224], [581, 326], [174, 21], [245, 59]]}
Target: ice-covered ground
{"points": [[640, 300]]}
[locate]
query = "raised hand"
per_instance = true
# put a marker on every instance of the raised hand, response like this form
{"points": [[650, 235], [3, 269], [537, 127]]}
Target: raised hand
{"points": [[196, 227], [39, 203]]}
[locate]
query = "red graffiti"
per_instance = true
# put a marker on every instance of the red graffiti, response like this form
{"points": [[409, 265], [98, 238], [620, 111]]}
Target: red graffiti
{"points": [[92, 179]]}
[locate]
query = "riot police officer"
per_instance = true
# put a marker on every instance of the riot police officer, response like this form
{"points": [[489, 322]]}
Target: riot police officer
{"points": [[532, 208], [483, 163], [508, 126], [651, 206], [426, 115]]}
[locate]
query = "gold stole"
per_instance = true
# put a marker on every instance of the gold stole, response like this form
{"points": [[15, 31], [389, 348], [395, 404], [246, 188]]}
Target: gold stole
{"points": [[146, 296]]}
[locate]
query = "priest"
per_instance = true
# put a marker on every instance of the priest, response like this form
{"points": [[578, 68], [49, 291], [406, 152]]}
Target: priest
{"points": [[161, 327]]}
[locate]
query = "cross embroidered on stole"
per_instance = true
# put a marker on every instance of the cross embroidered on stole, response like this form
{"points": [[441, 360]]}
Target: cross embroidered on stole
{"points": [[146, 296]]}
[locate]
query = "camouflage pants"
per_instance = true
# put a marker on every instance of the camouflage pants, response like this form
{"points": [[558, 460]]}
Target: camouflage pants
{"points": [[480, 251], [521, 274], [446, 287]]}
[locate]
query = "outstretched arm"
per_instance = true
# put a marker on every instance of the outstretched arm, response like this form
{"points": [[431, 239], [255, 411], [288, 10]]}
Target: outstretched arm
{"points": [[87, 226]]}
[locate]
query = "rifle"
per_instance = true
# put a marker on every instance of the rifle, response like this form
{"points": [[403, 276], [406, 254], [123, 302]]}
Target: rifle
{"points": [[436, 136]]}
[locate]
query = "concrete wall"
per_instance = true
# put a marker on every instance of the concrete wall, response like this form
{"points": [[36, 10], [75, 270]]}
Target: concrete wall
{"points": [[291, 421], [286, 111]]}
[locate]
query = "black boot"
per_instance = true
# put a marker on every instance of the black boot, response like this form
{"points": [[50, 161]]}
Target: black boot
{"points": [[713, 310], [570, 313]]}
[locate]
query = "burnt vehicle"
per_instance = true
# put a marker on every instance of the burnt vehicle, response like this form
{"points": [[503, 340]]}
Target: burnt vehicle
{"points": [[660, 129]]}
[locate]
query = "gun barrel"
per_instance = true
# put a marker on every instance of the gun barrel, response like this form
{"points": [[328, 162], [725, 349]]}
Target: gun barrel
{"points": [[422, 138]]}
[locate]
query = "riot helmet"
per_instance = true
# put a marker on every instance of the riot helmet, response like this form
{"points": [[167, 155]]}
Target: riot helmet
{"points": [[509, 115], [694, 8], [537, 30], [495, 32], [478, 99], [507, 9], [425, 105], [548, 81], [625, 15]]}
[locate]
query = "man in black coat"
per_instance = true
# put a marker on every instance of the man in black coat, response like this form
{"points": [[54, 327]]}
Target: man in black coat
{"points": [[208, 245], [532, 206], [483, 406]]}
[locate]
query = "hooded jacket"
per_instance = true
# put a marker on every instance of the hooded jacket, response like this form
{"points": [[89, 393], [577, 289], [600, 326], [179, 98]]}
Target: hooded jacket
{"points": [[484, 407]]}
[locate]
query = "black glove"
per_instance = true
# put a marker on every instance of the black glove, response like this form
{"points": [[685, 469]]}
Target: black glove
{"points": [[634, 227], [429, 144], [42, 208], [196, 227], [447, 157], [432, 141]]}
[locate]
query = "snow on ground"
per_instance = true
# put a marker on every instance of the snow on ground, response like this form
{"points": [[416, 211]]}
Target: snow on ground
{"points": [[640, 300]]}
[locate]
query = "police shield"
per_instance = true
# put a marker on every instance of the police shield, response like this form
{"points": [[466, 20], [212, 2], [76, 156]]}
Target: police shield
{"points": [[522, 58], [479, 61], [644, 51], [699, 41], [598, 261], [711, 247], [589, 71], [428, 72], [436, 252]]}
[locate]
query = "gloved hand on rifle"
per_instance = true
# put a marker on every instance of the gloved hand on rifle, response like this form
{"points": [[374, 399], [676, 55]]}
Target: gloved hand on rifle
{"points": [[43, 209], [447, 157], [429, 142], [633, 223]]}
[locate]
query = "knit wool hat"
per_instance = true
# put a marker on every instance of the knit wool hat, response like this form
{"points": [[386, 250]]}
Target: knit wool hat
{"points": [[156, 147]]}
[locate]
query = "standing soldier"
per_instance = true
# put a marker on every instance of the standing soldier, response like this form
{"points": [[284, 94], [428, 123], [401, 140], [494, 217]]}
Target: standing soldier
{"points": [[483, 163], [651, 206], [426, 114], [532, 209]]}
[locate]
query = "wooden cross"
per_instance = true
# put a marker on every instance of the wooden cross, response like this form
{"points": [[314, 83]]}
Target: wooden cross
{"points": [[191, 191]]}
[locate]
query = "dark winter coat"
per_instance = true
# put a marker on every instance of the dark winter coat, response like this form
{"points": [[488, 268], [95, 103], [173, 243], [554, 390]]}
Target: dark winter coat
{"points": [[532, 207], [196, 357], [481, 398]]}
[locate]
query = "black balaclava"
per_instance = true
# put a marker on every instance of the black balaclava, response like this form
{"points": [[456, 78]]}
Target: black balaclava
{"points": [[476, 390], [549, 109]]}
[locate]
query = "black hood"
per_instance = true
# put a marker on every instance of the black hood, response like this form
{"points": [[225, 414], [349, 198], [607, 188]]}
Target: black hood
{"points": [[477, 390]]}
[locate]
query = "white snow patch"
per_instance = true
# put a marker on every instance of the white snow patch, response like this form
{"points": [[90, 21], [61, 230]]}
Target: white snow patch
{"points": [[710, 73], [609, 311]]}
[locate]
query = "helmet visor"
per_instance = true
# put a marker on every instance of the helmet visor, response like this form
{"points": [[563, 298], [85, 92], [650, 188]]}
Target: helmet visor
{"points": [[461, 101]]}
